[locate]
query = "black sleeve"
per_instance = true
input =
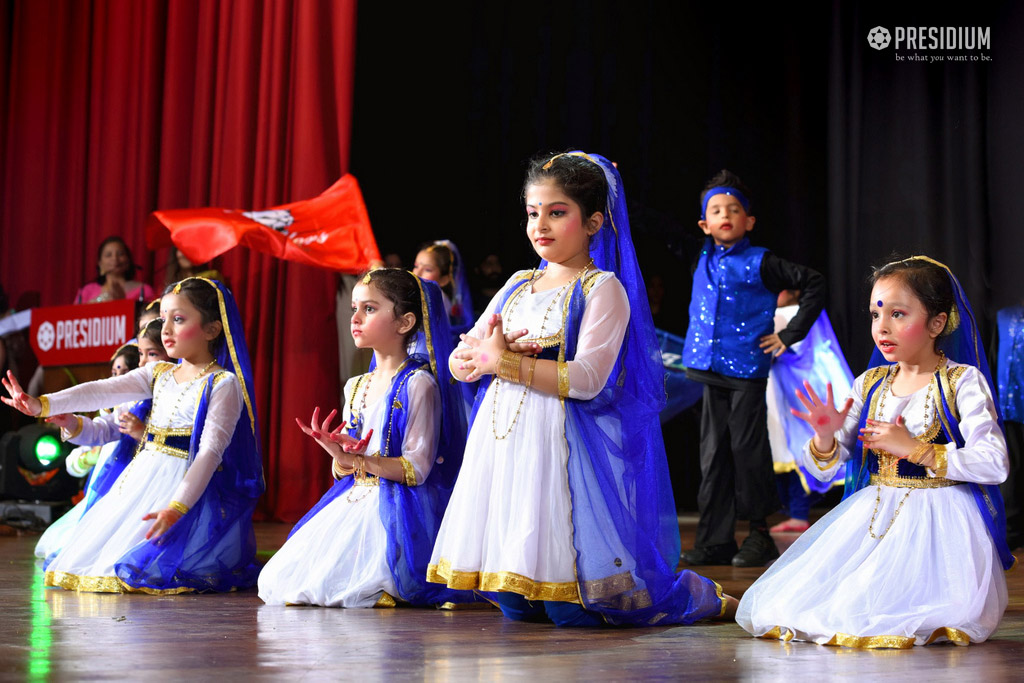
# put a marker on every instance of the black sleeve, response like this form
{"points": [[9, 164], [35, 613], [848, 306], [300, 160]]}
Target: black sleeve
{"points": [[778, 274]]}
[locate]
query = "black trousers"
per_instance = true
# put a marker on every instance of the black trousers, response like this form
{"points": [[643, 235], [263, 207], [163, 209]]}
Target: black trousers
{"points": [[738, 479]]}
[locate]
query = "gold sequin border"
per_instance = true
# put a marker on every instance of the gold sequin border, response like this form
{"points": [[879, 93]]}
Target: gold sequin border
{"points": [[953, 635], [102, 584], [502, 582]]}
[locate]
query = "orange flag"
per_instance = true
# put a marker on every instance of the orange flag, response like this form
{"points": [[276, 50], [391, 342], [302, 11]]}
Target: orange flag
{"points": [[331, 230]]}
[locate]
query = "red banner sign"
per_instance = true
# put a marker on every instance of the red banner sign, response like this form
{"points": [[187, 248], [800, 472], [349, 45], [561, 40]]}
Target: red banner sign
{"points": [[87, 333]]}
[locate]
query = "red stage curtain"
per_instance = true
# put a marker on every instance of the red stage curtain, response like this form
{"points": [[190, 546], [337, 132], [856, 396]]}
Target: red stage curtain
{"points": [[110, 110]]}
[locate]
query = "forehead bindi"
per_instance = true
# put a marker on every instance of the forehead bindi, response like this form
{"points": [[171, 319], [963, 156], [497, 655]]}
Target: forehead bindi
{"points": [[548, 194]]}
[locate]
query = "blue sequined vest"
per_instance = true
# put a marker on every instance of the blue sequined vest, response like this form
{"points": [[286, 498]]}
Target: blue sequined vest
{"points": [[1010, 378], [730, 311]]}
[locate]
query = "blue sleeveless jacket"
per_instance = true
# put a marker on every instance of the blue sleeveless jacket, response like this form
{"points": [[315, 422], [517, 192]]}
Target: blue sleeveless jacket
{"points": [[730, 311]]}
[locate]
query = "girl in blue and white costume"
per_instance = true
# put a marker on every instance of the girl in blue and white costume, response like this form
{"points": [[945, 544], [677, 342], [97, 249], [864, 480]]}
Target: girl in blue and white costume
{"points": [[368, 540], [179, 517], [916, 551], [563, 510]]}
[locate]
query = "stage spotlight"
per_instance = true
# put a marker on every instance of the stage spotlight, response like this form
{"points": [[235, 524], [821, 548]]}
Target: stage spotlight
{"points": [[32, 465]]}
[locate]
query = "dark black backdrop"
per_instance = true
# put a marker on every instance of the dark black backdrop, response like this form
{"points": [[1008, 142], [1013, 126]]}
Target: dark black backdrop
{"points": [[850, 153]]}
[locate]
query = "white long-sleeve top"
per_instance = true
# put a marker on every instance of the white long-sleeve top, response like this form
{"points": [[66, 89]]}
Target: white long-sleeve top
{"points": [[982, 460], [602, 329], [174, 407]]}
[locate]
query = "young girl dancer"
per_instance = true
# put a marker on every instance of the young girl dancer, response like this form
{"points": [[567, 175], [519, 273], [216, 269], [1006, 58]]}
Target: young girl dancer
{"points": [[441, 262], [563, 510], [915, 553], [179, 518], [368, 540]]}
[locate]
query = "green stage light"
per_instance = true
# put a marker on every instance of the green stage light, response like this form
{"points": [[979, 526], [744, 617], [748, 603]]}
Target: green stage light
{"points": [[47, 449]]}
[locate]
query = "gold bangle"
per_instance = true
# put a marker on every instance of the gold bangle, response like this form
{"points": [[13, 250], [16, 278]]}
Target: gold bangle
{"points": [[563, 379], [44, 406], [339, 472], [508, 367], [409, 471], [529, 375], [824, 456], [941, 460], [178, 507]]}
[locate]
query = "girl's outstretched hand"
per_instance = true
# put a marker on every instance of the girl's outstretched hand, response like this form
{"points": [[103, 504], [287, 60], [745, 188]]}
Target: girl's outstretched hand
{"points": [[512, 338], [481, 358], [321, 433], [65, 421], [165, 519], [823, 417], [131, 425], [893, 437], [350, 444], [19, 400]]}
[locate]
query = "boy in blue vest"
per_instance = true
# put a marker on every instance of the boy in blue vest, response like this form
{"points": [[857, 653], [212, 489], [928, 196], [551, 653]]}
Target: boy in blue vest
{"points": [[729, 347]]}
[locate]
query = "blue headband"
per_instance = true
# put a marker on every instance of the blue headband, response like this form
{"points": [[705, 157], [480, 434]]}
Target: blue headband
{"points": [[731, 191]]}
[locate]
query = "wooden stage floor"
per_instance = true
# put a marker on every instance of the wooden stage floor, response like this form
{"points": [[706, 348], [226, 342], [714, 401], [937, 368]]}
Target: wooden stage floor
{"points": [[49, 634]]}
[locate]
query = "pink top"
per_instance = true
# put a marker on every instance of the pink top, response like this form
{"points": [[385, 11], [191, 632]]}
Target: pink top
{"points": [[89, 292]]}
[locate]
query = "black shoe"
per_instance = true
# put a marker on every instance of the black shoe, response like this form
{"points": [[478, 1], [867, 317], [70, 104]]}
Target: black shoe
{"points": [[757, 550], [713, 554]]}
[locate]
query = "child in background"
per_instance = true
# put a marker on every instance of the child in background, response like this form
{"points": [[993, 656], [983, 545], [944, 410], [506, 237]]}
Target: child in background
{"points": [[916, 551], [179, 518], [441, 262], [818, 359], [98, 438], [563, 511], [149, 313], [367, 542], [729, 348]]}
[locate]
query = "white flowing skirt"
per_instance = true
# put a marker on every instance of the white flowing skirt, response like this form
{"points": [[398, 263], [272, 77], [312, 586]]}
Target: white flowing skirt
{"points": [[58, 533], [934, 575], [507, 526], [114, 525], [337, 559]]}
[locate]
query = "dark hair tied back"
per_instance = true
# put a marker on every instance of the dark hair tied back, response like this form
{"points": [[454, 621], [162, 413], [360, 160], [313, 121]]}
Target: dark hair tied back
{"points": [[928, 281], [580, 178], [402, 289]]}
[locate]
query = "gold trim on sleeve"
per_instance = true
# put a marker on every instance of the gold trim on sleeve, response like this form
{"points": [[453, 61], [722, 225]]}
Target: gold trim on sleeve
{"points": [[941, 460], [180, 508], [563, 379], [65, 435], [409, 471], [44, 406]]}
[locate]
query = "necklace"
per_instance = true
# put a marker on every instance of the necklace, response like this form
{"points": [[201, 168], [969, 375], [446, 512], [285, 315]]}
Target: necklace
{"points": [[356, 416], [507, 316], [170, 416], [177, 404], [889, 463], [365, 480]]}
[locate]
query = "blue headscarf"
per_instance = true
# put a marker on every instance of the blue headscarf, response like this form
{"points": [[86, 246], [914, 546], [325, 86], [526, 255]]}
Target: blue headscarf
{"points": [[212, 547], [625, 529], [962, 345], [412, 515]]}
